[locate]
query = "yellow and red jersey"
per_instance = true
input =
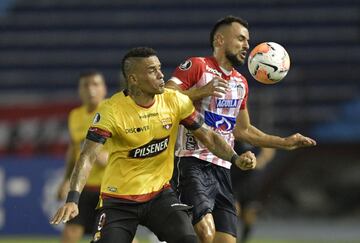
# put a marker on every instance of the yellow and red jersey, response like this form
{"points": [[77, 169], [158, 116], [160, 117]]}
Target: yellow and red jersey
{"points": [[141, 143], [79, 122]]}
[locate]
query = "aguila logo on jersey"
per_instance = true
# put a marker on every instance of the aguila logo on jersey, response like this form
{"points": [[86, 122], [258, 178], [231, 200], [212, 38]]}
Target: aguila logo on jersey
{"points": [[167, 123], [150, 149], [185, 65], [214, 71], [220, 122], [230, 103]]}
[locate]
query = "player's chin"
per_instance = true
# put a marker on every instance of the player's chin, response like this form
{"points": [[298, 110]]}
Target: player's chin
{"points": [[161, 89]]}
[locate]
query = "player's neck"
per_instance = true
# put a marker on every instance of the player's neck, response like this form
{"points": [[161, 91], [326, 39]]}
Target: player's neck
{"points": [[142, 99], [223, 61], [90, 108]]}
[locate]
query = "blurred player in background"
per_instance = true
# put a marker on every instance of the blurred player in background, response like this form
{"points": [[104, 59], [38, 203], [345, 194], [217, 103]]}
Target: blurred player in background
{"points": [[140, 125], [92, 91], [249, 187], [220, 94]]}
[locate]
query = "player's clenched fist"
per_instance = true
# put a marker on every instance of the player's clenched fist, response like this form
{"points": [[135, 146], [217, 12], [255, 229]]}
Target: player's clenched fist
{"points": [[65, 213], [246, 161]]}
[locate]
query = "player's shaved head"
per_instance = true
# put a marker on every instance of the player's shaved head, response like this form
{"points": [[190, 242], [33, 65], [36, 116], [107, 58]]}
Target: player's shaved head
{"points": [[221, 25], [132, 58]]}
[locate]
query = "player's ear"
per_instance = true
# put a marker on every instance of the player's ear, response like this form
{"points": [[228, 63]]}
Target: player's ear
{"points": [[132, 79], [218, 39]]}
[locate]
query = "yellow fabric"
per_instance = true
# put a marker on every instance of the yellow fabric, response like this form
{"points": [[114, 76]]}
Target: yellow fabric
{"points": [[132, 127], [79, 122]]}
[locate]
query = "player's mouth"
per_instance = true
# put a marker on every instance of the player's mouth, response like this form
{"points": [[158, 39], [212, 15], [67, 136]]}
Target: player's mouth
{"points": [[243, 54]]}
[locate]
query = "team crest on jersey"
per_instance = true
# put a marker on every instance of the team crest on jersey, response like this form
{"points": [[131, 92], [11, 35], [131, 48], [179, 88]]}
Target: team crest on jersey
{"points": [[220, 122], [167, 123], [96, 118], [185, 65]]}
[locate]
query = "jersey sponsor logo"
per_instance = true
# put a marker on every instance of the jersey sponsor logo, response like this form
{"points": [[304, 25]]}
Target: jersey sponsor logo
{"points": [[167, 123], [220, 122], [227, 103], [185, 65], [137, 129], [190, 143], [151, 149], [112, 189], [214, 71], [96, 118], [148, 115]]}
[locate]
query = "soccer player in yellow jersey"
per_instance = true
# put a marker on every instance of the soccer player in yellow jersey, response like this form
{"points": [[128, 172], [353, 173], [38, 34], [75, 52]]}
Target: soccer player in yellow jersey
{"points": [[139, 126], [92, 91]]}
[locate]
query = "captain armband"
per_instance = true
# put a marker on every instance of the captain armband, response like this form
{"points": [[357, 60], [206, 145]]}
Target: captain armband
{"points": [[97, 135], [193, 122]]}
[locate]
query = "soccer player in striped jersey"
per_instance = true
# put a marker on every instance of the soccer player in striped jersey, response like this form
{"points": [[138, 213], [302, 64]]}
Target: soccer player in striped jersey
{"points": [[219, 93], [139, 126]]}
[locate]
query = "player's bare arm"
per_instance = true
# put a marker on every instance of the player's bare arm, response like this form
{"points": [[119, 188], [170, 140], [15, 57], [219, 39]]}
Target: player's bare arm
{"points": [[246, 132], [77, 182], [70, 159], [216, 87], [217, 145]]}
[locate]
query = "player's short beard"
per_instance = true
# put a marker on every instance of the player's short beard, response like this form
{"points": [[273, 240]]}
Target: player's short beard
{"points": [[235, 62]]}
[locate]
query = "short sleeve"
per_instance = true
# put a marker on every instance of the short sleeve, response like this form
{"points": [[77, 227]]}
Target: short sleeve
{"points": [[185, 105], [104, 118], [244, 101], [188, 73]]}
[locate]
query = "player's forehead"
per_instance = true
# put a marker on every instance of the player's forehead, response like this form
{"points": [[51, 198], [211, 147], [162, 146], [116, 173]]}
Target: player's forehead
{"points": [[237, 30], [152, 61], [92, 79]]}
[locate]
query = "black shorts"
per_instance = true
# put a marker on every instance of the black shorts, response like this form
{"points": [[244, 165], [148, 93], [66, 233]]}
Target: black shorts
{"points": [[163, 215], [87, 210], [207, 187], [247, 186]]}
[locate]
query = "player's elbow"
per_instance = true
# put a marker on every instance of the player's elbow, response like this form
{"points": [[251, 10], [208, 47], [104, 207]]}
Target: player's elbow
{"points": [[241, 134]]}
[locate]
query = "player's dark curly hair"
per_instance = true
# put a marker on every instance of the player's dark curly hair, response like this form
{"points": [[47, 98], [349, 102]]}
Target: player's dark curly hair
{"points": [[227, 20], [135, 52]]}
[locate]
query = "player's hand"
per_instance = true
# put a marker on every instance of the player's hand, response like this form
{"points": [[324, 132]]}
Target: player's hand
{"points": [[298, 141], [246, 161], [63, 190], [69, 211], [216, 87]]}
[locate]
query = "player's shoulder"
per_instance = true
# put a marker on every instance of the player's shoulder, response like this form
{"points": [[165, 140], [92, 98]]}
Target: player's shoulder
{"points": [[171, 94], [77, 111], [192, 62]]}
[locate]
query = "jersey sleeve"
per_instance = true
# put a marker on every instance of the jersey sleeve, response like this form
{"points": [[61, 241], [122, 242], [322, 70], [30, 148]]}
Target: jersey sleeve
{"points": [[188, 73], [189, 117], [244, 102], [103, 124], [70, 125]]}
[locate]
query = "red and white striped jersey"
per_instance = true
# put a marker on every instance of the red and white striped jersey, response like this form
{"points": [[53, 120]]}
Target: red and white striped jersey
{"points": [[219, 113]]}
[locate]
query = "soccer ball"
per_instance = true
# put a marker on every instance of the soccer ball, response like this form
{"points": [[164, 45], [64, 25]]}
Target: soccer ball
{"points": [[268, 62]]}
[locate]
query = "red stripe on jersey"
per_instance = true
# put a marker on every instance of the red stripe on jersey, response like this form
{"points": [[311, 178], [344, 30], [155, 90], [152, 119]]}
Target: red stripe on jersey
{"points": [[100, 132], [193, 122]]}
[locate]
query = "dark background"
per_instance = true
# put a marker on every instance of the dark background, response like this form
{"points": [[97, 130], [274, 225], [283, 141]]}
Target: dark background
{"points": [[44, 45]]}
